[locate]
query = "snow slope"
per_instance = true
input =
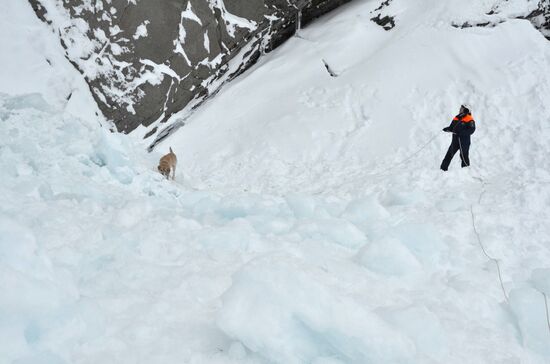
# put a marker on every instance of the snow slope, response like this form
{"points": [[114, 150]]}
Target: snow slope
{"points": [[33, 62], [308, 222]]}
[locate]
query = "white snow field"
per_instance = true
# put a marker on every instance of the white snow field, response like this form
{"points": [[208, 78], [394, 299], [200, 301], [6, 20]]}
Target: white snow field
{"points": [[308, 222]]}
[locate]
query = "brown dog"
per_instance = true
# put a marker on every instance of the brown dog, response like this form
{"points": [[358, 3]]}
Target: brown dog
{"points": [[168, 163]]}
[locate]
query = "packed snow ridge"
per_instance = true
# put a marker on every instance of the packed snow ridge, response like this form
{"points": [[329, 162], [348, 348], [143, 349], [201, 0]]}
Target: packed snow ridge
{"points": [[308, 221]]}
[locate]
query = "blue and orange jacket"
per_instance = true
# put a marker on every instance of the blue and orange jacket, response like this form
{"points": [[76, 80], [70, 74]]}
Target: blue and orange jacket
{"points": [[462, 127]]}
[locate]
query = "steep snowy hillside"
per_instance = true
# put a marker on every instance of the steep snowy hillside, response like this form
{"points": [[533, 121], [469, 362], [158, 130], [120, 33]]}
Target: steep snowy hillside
{"points": [[308, 222], [395, 91], [33, 62]]}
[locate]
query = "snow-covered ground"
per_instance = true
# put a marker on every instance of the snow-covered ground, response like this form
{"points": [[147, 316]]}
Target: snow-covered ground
{"points": [[308, 222]]}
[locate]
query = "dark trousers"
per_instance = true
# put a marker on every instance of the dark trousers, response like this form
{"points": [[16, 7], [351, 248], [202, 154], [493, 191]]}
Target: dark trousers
{"points": [[457, 145]]}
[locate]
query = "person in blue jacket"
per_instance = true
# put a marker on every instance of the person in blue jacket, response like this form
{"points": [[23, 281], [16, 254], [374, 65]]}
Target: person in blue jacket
{"points": [[462, 126]]}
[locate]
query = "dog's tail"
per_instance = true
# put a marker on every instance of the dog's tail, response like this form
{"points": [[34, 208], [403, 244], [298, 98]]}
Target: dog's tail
{"points": [[171, 150]]}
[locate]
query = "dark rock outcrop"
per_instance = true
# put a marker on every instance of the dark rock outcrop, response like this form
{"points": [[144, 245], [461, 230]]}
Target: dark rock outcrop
{"points": [[540, 18], [381, 18], [146, 60]]}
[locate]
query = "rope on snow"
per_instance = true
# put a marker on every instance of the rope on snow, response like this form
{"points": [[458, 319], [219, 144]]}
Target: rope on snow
{"points": [[546, 306], [395, 165], [483, 183], [475, 227], [487, 255]]}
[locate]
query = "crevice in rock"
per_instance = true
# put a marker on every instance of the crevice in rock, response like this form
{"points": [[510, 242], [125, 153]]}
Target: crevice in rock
{"points": [[484, 24], [329, 69]]}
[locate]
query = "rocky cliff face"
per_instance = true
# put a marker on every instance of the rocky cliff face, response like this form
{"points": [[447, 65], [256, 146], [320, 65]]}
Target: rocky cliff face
{"points": [[540, 17], [146, 60]]}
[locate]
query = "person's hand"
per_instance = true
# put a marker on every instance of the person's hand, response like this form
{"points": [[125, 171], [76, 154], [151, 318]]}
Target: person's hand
{"points": [[447, 129]]}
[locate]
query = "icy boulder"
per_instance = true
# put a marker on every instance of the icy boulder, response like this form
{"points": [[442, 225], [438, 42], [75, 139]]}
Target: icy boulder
{"points": [[388, 256], [336, 231], [366, 210], [26, 275], [423, 240], [529, 309], [424, 327], [403, 250], [31, 293], [289, 311], [109, 152]]}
